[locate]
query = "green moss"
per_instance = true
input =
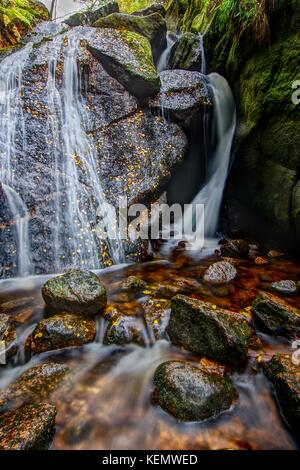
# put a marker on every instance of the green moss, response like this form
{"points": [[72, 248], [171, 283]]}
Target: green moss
{"points": [[17, 17], [127, 6]]}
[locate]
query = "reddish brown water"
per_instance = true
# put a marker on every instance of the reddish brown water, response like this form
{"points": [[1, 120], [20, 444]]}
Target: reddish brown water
{"points": [[108, 405]]}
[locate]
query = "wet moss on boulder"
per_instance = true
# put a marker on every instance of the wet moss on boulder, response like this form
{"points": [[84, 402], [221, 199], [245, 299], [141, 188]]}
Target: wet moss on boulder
{"points": [[192, 394], [127, 56], [285, 377], [31, 427], [76, 290], [62, 331], [276, 315], [208, 330], [152, 27], [186, 53]]}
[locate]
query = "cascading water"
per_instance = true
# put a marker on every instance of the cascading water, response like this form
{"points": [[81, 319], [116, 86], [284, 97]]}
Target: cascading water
{"points": [[223, 129], [12, 148], [77, 182]]}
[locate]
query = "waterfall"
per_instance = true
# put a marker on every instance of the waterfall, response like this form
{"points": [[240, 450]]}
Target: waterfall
{"points": [[20, 218], [78, 186], [163, 60], [223, 129], [12, 148]]}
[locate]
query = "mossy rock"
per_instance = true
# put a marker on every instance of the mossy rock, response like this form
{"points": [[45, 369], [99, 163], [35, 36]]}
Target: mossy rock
{"points": [[31, 427], [157, 316], [34, 385], [152, 27], [89, 16], [62, 331], [76, 290], [127, 56], [17, 19], [192, 394], [155, 8], [276, 315], [285, 377], [186, 53], [125, 329], [133, 283], [209, 331]]}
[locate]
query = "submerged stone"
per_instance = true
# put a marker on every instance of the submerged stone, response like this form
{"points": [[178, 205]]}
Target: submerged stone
{"points": [[208, 330], [34, 385], [183, 94], [235, 248], [220, 273], [133, 283], [285, 377], [153, 27], [285, 287], [89, 16], [276, 315], [126, 56], [192, 394], [31, 427], [62, 331], [76, 290]]}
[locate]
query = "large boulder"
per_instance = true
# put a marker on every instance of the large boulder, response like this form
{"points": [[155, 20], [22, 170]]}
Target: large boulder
{"points": [[153, 27], [63, 330], [190, 393], [134, 152], [183, 94], [285, 377], [90, 15], [31, 427], [76, 290], [208, 330], [34, 385], [276, 315], [126, 56], [187, 53]]}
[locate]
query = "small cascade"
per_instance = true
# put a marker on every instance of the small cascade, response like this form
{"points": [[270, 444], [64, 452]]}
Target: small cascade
{"points": [[163, 61], [80, 198], [222, 133], [20, 218], [12, 148]]}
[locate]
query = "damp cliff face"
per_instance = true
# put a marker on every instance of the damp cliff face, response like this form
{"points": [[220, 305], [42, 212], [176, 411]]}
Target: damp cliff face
{"points": [[256, 47]]}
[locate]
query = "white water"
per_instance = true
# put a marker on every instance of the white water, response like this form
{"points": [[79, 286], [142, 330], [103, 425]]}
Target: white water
{"points": [[75, 157], [12, 148], [163, 61]]}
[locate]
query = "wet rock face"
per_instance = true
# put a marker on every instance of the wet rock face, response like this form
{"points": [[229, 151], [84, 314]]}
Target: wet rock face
{"points": [[62, 331], [186, 53], [34, 385], [76, 290], [207, 330], [153, 27], [276, 315], [220, 273], [31, 427], [126, 56], [7, 336], [183, 94], [191, 394], [88, 17], [285, 377]]}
